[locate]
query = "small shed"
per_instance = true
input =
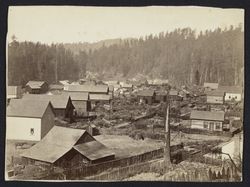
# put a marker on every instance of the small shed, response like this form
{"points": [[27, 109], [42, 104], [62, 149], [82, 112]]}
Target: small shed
{"points": [[36, 87], [29, 120], [207, 120], [147, 96]]}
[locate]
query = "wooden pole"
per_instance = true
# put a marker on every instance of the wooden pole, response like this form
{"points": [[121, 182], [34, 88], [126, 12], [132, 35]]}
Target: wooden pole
{"points": [[167, 139]]}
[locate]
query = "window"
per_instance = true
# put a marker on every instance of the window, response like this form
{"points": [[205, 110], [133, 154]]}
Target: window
{"points": [[31, 131], [205, 125], [217, 126]]}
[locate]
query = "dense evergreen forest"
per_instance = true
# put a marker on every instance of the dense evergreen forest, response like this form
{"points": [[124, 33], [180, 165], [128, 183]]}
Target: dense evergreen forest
{"points": [[182, 56]]}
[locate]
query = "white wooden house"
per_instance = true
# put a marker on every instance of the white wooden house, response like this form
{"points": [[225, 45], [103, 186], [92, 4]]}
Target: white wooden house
{"points": [[29, 120], [207, 120]]}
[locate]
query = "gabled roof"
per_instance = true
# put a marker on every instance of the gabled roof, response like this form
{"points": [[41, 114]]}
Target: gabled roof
{"points": [[231, 89], [35, 84], [58, 101], [93, 150], [211, 85], [55, 144], [27, 108], [77, 96], [146, 93], [99, 97], [207, 115], [88, 88]]}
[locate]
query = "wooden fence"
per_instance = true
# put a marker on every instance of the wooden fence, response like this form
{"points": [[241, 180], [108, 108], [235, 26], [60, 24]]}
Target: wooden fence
{"points": [[224, 174], [128, 171], [83, 171]]}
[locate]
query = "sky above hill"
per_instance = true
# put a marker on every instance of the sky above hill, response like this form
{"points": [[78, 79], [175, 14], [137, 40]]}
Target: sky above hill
{"points": [[68, 24]]}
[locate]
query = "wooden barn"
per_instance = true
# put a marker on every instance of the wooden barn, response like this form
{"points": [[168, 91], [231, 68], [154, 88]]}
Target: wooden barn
{"points": [[207, 120], [215, 97], [29, 120], [81, 103], [62, 104], [36, 87], [68, 147], [146, 96]]}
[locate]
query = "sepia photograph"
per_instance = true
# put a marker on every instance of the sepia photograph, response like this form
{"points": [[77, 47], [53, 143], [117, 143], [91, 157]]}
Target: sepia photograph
{"points": [[153, 93]]}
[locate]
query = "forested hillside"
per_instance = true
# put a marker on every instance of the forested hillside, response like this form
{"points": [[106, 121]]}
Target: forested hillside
{"points": [[182, 56]]}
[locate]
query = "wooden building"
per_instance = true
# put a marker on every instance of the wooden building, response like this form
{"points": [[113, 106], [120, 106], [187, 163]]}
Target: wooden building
{"points": [[232, 93], [68, 147], [173, 95], [99, 99], [160, 96], [215, 97], [207, 120], [62, 104], [29, 120], [14, 92], [146, 96], [81, 103], [91, 89], [36, 87]]}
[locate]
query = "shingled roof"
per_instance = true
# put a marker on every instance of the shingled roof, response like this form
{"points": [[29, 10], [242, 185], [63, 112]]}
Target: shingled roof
{"points": [[207, 115], [27, 108], [93, 150], [55, 144], [58, 101], [61, 140]]}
